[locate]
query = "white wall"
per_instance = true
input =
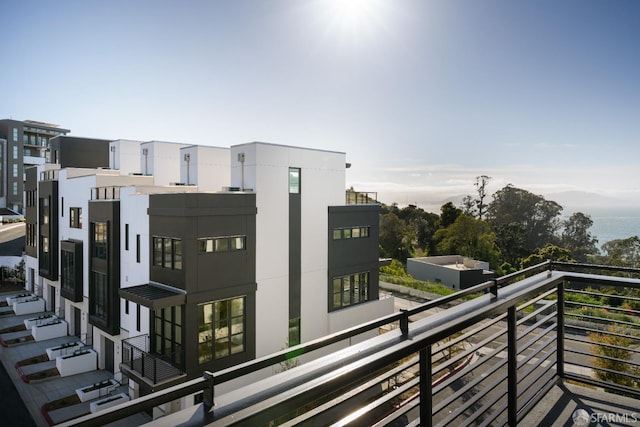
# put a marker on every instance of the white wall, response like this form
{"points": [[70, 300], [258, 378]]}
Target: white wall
{"points": [[133, 211], [208, 167], [266, 170], [162, 161], [127, 156]]}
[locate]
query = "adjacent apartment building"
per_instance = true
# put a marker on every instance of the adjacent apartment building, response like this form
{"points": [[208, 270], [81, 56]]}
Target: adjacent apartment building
{"points": [[22, 144], [176, 259]]}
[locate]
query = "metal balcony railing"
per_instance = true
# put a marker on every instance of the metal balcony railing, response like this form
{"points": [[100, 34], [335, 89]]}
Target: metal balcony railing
{"points": [[105, 193], [483, 356], [136, 357], [361, 197], [50, 175]]}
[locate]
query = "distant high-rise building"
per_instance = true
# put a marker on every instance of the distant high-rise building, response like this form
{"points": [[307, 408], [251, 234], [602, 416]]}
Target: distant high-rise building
{"points": [[22, 144]]}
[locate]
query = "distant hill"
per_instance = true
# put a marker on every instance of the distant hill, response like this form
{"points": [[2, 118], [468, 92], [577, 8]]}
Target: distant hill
{"points": [[572, 200]]}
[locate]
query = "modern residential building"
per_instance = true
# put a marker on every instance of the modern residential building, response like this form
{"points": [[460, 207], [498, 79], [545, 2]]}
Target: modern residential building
{"points": [[454, 271], [22, 144], [201, 258]]}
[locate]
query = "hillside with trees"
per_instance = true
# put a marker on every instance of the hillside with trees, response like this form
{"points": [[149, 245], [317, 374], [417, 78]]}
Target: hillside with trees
{"points": [[514, 230]]}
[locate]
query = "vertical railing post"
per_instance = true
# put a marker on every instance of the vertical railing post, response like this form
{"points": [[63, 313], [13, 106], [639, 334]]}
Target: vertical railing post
{"points": [[208, 392], [494, 288], [512, 367], [142, 363], [560, 330], [426, 394], [404, 322]]}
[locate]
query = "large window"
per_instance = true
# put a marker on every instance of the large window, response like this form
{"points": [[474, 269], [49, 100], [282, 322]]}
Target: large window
{"points": [[167, 252], [221, 329], [75, 217], [100, 240], [350, 290], [167, 332], [221, 244], [99, 301], [294, 180], [15, 135]]}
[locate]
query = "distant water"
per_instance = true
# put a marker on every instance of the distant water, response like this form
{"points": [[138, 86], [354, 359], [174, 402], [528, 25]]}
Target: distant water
{"points": [[611, 223]]}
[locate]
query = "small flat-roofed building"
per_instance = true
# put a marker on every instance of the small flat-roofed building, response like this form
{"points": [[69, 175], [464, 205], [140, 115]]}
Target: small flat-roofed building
{"points": [[454, 271]]}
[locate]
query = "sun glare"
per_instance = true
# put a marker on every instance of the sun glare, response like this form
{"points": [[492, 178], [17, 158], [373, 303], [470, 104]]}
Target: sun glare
{"points": [[355, 19]]}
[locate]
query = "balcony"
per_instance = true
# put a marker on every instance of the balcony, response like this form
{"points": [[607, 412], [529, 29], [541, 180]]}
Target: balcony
{"points": [[50, 175], [105, 193], [361, 197], [152, 369], [538, 347]]}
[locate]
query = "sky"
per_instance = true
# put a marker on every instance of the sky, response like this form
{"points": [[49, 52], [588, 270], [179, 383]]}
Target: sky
{"points": [[423, 96]]}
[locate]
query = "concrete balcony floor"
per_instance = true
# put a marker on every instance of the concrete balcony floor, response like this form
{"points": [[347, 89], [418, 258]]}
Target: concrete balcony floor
{"points": [[558, 407]]}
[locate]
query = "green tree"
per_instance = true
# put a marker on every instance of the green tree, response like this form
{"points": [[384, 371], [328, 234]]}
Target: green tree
{"points": [[622, 252], [469, 237], [529, 221], [394, 240], [448, 214], [481, 188], [576, 237], [396, 268], [552, 252]]}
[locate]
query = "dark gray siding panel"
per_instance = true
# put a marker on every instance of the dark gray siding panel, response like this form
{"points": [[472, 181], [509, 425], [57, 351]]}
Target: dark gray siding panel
{"points": [[49, 267], [71, 151], [107, 211], [351, 256], [209, 276], [295, 255], [31, 212]]}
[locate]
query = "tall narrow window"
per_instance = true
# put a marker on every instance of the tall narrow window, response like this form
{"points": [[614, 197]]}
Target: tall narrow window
{"points": [[99, 301], [75, 217], [126, 237], [138, 317], [44, 210], [167, 333], [137, 248], [99, 244], [294, 180], [15, 135], [294, 332]]}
